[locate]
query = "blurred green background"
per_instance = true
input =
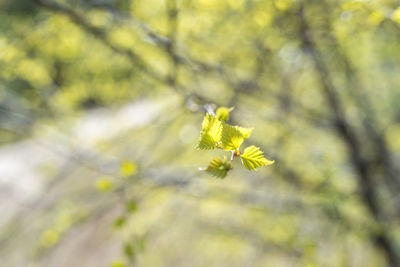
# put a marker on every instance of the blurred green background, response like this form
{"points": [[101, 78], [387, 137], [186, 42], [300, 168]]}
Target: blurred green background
{"points": [[101, 104]]}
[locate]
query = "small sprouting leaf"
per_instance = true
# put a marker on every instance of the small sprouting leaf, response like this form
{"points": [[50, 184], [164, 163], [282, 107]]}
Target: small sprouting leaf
{"points": [[231, 138], [223, 113], [211, 133], [253, 158], [217, 133], [246, 132], [218, 167]]}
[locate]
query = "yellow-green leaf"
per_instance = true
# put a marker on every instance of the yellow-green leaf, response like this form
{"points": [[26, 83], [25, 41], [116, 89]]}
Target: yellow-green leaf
{"points": [[253, 158], [206, 142], [246, 132], [211, 133], [210, 124], [218, 167], [223, 113], [231, 138]]}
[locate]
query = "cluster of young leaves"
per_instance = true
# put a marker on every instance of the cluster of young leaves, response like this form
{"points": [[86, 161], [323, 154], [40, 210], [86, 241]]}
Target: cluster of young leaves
{"points": [[216, 133]]}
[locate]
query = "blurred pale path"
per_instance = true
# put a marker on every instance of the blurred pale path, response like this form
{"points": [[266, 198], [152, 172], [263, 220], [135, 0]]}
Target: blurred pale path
{"points": [[21, 177], [22, 180]]}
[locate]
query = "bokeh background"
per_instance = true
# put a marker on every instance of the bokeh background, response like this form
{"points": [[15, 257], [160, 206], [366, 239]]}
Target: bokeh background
{"points": [[101, 104]]}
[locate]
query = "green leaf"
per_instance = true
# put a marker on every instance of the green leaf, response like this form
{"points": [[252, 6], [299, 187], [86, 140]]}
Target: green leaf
{"points": [[211, 133], [246, 132], [218, 167], [129, 251], [223, 113], [131, 206], [253, 158], [119, 222], [231, 137]]}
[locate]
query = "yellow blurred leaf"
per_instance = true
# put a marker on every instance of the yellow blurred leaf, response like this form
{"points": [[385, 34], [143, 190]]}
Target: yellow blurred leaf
{"points": [[49, 238], [375, 18], [128, 168], [396, 15], [104, 184], [118, 263]]}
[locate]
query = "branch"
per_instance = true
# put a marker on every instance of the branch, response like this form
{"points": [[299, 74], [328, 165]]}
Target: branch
{"points": [[345, 131]]}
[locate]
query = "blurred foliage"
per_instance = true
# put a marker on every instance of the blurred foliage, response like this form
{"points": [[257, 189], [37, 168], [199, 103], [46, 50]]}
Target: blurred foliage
{"points": [[117, 89]]}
